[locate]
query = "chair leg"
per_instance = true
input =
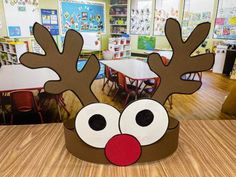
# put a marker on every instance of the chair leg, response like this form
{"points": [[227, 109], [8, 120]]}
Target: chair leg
{"points": [[200, 76], [105, 83], [115, 94], [11, 121], [110, 89], [126, 100], [41, 117], [140, 94], [62, 105]]}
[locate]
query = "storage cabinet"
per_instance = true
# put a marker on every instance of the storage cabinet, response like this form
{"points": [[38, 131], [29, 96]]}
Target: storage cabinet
{"points": [[118, 17], [10, 52], [120, 47], [229, 61]]}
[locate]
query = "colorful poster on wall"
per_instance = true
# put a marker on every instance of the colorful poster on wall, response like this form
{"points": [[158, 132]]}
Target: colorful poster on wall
{"points": [[195, 13], [14, 31], [50, 20], [146, 42], [140, 17], [165, 9], [225, 23], [82, 16]]}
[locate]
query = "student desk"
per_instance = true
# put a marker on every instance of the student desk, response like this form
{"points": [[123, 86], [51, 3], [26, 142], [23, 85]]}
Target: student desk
{"points": [[132, 68], [206, 148], [19, 77]]}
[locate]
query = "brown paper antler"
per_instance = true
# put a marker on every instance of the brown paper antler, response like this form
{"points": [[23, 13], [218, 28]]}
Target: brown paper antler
{"points": [[64, 64], [182, 62]]}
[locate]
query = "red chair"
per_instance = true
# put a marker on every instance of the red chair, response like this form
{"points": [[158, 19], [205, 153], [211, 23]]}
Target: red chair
{"points": [[128, 88], [110, 76], [151, 82], [24, 108]]}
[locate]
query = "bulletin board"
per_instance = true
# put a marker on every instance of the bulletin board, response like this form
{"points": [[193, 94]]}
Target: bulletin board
{"points": [[20, 17], [196, 12], [82, 16], [146, 42], [140, 17], [165, 9], [225, 23], [49, 19]]}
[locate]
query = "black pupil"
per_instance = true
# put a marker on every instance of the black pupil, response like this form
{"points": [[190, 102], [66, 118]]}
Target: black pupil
{"points": [[144, 118], [97, 122]]}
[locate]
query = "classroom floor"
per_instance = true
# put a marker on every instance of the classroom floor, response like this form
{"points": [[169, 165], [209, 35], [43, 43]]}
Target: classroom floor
{"points": [[205, 104]]}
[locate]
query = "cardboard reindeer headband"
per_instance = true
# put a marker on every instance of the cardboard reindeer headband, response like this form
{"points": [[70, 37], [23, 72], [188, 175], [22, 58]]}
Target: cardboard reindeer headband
{"points": [[143, 132]]}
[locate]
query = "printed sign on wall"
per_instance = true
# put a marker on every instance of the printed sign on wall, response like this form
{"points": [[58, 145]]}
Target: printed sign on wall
{"points": [[50, 20]]}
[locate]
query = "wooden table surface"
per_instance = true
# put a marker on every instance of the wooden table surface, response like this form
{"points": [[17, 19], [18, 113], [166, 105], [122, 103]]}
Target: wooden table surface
{"points": [[206, 148]]}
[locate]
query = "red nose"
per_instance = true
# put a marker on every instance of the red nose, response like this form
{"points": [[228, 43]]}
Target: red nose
{"points": [[123, 150]]}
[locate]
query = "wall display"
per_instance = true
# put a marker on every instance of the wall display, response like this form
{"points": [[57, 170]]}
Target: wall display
{"points": [[225, 23], [50, 20], [140, 19], [92, 41], [20, 17], [164, 10], [36, 47], [82, 16], [146, 42], [141, 133], [195, 12]]}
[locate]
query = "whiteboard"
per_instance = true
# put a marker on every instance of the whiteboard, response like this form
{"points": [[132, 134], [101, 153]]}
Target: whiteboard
{"points": [[92, 41], [20, 17]]}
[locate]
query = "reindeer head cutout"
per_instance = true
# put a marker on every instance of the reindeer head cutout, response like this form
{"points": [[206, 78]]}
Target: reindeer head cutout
{"points": [[143, 132]]}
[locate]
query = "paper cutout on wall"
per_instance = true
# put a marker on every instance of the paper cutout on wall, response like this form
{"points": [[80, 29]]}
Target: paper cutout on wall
{"points": [[225, 24], [195, 13], [99, 133], [140, 17], [165, 9]]}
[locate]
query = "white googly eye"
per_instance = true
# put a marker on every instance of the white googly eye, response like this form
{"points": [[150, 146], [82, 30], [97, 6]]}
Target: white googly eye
{"points": [[145, 119], [97, 123]]}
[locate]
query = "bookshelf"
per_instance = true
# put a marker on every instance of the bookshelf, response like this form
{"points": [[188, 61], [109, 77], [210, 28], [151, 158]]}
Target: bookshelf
{"points": [[10, 52], [118, 17]]}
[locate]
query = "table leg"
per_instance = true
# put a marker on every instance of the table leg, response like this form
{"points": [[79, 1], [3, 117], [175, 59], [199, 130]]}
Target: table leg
{"points": [[2, 108]]}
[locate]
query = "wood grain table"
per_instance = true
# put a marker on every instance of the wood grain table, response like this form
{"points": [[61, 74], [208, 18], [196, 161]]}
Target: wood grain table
{"points": [[206, 148]]}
